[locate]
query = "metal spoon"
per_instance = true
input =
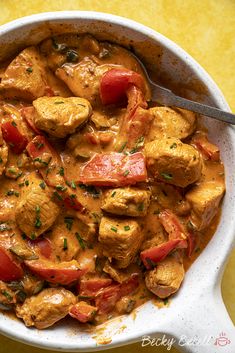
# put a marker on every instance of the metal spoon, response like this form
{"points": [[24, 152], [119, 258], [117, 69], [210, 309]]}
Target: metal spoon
{"points": [[166, 97]]}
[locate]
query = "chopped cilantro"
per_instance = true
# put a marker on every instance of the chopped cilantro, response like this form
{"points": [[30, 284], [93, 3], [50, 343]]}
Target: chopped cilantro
{"points": [[113, 194], [114, 229], [126, 173], [13, 123], [126, 228], [26, 183]]}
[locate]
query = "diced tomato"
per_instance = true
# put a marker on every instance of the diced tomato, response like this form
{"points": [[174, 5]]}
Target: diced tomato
{"points": [[114, 169], [13, 137], [107, 297], [28, 113], [49, 92], [90, 287], [10, 269], [38, 148], [60, 273], [82, 311], [114, 84], [43, 245], [138, 128], [208, 149], [135, 99], [129, 286], [73, 203], [173, 227], [152, 256]]}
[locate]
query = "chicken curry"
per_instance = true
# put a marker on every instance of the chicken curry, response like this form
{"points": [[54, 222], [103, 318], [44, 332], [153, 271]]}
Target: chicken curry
{"points": [[105, 196]]}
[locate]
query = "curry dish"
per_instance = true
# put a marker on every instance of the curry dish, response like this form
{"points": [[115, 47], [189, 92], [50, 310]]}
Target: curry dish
{"points": [[105, 197]]}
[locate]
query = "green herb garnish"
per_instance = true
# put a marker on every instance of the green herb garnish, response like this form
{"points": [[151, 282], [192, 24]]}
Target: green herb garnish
{"points": [[65, 244], [72, 56], [126, 228], [61, 171], [122, 147], [29, 70], [174, 145], [80, 240], [167, 176], [38, 222], [126, 173], [113, 194], [42, 185], [114, 229], [69, 222]]}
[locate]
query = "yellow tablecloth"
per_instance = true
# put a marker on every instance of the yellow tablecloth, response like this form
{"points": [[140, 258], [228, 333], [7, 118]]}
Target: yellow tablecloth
{"points": [[205, 29]]}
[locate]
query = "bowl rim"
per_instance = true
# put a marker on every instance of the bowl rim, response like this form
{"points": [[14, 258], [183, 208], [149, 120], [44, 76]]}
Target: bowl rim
{"points": [[203, 76]]}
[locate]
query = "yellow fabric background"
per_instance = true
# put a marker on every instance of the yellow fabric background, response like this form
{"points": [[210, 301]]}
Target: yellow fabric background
{"points": [[205, 29]]}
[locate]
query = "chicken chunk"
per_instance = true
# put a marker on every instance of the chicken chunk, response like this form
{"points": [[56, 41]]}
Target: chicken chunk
{"points": [[60, 116], [63, 237], [127, 201], [25, 77], [204, 200], [168, 122], [171, 161], [3, 157], [121, 239], [46, 308], [167, 277], [83, 79], [36, 211]]}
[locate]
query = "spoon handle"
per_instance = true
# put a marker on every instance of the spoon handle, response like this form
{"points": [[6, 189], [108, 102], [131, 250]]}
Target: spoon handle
{"points": [[166, 97]]}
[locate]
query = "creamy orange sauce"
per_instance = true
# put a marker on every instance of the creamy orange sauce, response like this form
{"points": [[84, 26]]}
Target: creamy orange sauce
{"points": [[61, 59]]}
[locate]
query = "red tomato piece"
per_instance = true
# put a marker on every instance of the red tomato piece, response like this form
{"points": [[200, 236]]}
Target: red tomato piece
{"points": [[129, 286], [90, 287], [43, 245], [38, 148], [114, 84], [173, 227], [72, 202], [138, 127], [10, 269], [13, 137], [114, 169], [28, 113], [208, 149], [107, 297], [152, 256], [60, 273], [82, 311]]}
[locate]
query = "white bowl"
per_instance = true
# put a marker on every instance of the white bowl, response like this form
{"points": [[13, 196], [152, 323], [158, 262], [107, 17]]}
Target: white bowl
{"points": [[197, 311]]}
